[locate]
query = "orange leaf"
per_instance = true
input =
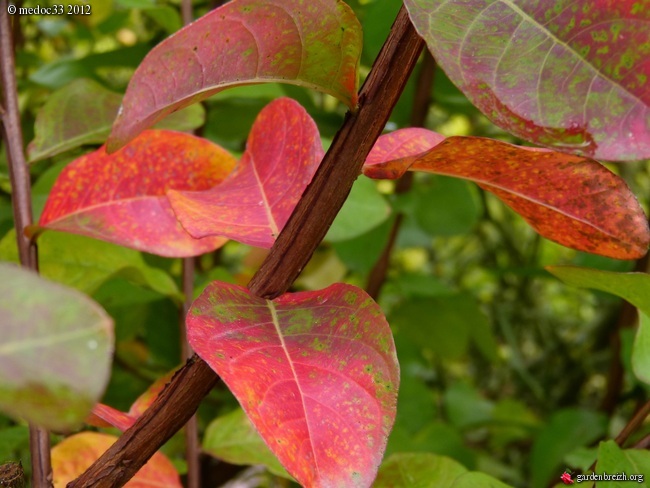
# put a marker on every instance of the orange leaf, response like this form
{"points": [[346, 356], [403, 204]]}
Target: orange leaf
{"points": [[75, 454], [569, 199], [120, 198]]}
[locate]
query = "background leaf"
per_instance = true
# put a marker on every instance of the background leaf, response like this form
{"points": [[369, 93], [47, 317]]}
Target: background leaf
{"points": [[255, 202], [571, 200], [364, 209], [120, 198], [633, 287], [74, 455], [316, 372], [566, 74], [418, 470], [566, 430], [246, 41], [56, 350], [614, 460], [232, 438], [84, 263], [61, 125]]}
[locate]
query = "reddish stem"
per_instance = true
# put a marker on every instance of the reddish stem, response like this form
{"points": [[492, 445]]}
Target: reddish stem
{"points": [[22, 209]]}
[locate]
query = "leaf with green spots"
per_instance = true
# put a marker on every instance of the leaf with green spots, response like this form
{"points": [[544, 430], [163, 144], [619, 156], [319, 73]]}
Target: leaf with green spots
{"points": [[567, 74], [633, 287], [569, 199], [255, 202], [85, 264], [55, 356], [120, 198], [418, 470], [316, 372], [232, 438], [312, 44], [61, 126], [72, 456]]}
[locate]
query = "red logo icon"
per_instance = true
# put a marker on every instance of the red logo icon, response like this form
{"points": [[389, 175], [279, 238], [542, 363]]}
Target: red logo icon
{"points": [[566, 478]]}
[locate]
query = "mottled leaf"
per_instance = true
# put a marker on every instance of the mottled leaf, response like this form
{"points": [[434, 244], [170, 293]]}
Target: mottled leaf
{"points": [[72, 456], [313, 44], [633, 287], [254, 203], [569, 199], [418, 470], [85, 264], [316, 372], [232, 438], [120, 198], [82, 113], [55, 355], [568, 74]]}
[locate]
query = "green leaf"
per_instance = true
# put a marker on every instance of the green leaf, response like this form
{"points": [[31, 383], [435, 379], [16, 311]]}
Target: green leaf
{"points": [[418, 470], [614, 460], [633, 287], [61, 125], [56, 350], [456, 319], [232, 438], [641, 349], [84, 263], [364, 210], [446, 206], [477, 480], [566, 430]]}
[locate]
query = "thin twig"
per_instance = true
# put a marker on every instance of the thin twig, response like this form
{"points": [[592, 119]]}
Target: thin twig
{"points": [[421, 102], [22, 210], [192, 451], [635, 422], [296, 243]]}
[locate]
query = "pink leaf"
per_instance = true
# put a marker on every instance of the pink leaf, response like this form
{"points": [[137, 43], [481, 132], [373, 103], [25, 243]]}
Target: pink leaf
{"points": [[120, 198], [314, 44], [316, 372], [254, 203], [572, 200], [573, 75]]}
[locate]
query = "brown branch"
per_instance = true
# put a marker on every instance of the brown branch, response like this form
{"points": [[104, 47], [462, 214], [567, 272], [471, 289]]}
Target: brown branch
{"points": [[296, 243], [634, 423], [22, 210]]}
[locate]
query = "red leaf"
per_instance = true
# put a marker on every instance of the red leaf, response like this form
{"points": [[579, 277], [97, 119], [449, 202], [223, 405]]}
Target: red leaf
{"points": [[254, 203], [313, 44], [316, 372], [74, 455], [568, 74], [572, 200], [120, 198]]}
